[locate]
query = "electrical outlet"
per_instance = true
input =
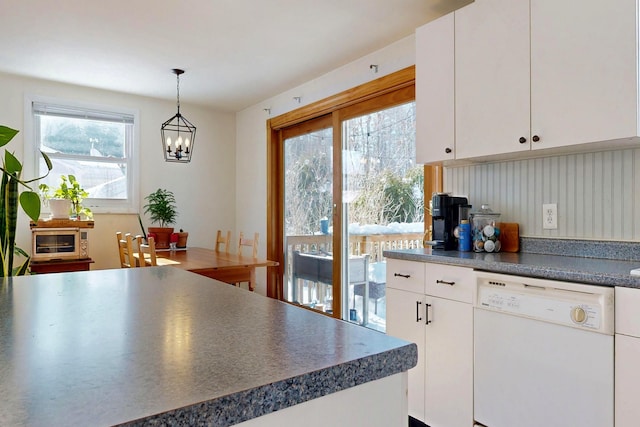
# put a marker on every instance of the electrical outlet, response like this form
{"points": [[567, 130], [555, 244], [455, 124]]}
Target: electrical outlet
{"points": [[550, 216]]}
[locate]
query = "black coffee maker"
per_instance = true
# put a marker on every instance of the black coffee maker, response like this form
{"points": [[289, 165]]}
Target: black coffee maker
{"points": [[446, 213]]}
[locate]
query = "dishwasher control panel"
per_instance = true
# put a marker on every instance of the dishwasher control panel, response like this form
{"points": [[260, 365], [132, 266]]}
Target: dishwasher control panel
{"points": [[570, 304]]}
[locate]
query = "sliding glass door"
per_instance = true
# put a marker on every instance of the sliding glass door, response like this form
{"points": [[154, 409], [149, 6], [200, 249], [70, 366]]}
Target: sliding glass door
{"points": [[308, 210], [343, 187], [383, 208]]}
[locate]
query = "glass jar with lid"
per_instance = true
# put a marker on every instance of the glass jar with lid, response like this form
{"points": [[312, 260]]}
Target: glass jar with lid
{"points": [[485, 230]]}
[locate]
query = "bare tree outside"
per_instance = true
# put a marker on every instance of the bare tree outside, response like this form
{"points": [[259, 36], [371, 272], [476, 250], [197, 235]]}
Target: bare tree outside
{"points": [[308, 181], [387, 186], [382, 183]]}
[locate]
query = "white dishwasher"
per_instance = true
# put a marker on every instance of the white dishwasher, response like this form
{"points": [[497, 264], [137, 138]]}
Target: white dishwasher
{"points": [[543, 353]]}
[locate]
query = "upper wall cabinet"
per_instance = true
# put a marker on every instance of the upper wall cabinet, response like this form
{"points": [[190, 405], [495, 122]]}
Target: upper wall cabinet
{"points": [[492, 77], [435, 110], [530, 76], [584, 81]]}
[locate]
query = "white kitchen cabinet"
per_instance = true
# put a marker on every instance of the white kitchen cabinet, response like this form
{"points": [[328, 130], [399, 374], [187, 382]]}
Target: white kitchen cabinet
{"points": [[584, 80], [435, 127], [405, 312], [529, 76], [492, 77], [448, 394], [627, 354], [405, 319], [438, 317]]}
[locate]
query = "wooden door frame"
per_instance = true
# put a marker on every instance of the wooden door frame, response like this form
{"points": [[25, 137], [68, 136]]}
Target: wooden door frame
{"points": [[394, 82]]}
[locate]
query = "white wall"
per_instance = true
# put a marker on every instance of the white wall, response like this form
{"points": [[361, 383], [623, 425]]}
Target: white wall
{"points": [[251, 144], [204, 189]]}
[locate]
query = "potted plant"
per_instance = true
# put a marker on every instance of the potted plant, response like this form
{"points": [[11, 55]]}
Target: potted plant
{"points": [[161, 207], [70, 191], [10, 198]]}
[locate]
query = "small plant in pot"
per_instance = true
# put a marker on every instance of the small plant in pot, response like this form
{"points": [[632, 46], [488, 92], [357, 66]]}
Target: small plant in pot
{"points": [[66, 200], [161, 207]]}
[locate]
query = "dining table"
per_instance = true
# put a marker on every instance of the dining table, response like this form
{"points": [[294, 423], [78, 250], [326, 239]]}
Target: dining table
{"points": [[224, 266]]}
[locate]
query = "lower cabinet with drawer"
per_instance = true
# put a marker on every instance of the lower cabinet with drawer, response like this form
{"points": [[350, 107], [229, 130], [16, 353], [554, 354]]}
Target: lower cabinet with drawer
{"points": [[627, 354], [431, 305]]}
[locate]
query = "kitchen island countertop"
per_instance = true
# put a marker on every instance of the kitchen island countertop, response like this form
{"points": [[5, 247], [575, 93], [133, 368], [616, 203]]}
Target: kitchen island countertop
{"points": [[162, 346], [596, 271]]}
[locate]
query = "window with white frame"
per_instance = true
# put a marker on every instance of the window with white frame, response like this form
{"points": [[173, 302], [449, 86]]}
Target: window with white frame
{"points": [[96, 145]]}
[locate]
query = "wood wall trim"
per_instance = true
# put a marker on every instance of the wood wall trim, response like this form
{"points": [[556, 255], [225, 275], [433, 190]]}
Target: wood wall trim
{"points": [[432, 184], [307, 127], [275, 194], [389, 99], [389, 83]]}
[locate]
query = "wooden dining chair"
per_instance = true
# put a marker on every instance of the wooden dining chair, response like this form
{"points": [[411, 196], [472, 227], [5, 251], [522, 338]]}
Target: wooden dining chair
{"points": [[221, 240], [251, 243], [146, 255], [125, 250]]}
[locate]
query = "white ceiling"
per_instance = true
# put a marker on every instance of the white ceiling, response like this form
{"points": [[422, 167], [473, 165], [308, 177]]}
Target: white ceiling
{"points": [[235, 52]]}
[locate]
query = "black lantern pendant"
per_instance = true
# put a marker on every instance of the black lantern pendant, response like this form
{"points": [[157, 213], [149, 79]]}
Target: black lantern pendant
{"points": [[178, 134]]}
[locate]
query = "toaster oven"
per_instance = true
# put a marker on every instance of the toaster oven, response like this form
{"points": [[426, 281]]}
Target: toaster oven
{"points": [[59, 243]]}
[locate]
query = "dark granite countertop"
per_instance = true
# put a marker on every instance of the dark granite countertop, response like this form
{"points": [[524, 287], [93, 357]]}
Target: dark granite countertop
{"points": [[597, 271], [162, 346]]}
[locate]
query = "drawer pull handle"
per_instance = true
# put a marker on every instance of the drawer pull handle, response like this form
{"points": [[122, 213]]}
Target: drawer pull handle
{"points": [[427, 311], [444, 282], [406, 276], [418, 318]]}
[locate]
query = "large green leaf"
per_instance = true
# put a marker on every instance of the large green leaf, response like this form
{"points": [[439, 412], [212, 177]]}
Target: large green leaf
{"points": [[6, 135], [30, 202], [11, 163]]}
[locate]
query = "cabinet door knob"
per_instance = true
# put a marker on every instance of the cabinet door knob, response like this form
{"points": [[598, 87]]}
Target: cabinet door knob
{"points": [[522, 140], [535, 138], [447, 150]]}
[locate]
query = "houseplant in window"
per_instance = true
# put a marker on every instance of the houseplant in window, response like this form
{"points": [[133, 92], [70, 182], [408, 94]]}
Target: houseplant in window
{"points": [[66, 200], [161, 207], [10, 198]]}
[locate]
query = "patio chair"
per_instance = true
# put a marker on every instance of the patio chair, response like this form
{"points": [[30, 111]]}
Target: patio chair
{"points": [[376, 282]]}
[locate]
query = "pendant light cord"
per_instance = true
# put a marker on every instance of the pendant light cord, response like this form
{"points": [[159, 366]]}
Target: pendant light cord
{"points": [[178, 92]]}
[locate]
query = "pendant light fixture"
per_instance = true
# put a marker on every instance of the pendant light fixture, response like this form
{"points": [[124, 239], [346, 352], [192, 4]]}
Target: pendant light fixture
{"points": [[178, 134]]}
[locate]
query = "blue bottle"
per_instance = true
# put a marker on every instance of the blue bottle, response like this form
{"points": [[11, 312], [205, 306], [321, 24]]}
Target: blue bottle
{"points": [[464, 236]]}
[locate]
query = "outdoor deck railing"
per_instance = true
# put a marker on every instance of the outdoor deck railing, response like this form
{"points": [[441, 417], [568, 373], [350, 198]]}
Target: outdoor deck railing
{"points": [[360, 244]]}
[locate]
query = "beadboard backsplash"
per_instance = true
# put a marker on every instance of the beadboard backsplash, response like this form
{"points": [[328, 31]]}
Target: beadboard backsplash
{"points": [[598, 194]]}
